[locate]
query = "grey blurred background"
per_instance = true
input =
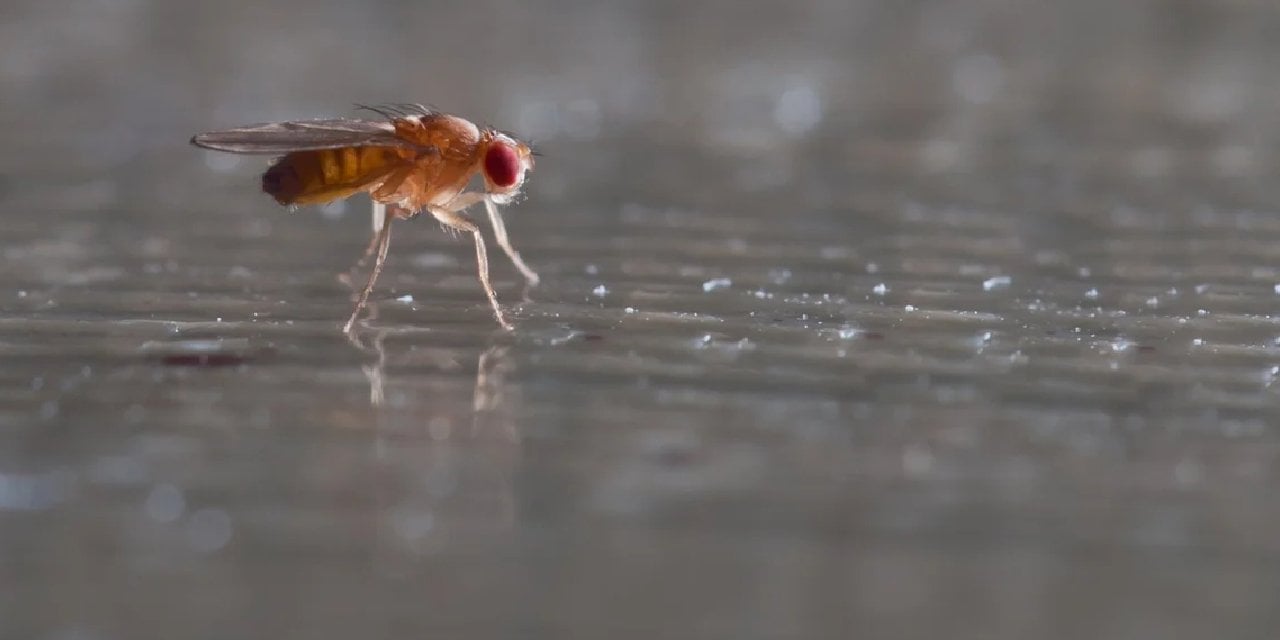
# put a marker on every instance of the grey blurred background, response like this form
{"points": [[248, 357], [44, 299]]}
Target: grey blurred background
{"points": [[858, 319]]}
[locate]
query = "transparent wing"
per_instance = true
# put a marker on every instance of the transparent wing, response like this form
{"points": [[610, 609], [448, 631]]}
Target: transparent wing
{"points": [[277, 138]]}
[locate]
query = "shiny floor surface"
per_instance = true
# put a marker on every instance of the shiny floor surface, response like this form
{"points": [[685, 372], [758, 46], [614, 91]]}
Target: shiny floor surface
{"points": [[856, 320]]}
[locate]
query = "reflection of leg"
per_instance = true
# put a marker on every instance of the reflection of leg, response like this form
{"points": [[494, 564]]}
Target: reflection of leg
{"points": [[452, 219], [384, 241], [500, 233]]}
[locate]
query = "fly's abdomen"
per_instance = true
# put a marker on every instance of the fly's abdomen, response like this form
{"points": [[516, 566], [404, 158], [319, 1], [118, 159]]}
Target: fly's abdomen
{"points": [[318, 177]]}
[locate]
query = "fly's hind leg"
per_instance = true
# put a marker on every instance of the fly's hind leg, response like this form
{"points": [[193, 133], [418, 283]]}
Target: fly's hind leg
{"points": [[382, 242], [380, 212], [380, 219], [453, 220]]}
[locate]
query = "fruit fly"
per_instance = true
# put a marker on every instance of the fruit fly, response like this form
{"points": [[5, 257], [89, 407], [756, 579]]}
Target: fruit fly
{"points": [[416, 159]]}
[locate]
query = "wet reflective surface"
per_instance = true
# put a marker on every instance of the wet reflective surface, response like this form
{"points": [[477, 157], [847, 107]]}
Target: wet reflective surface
{"points": [[855, 318]]}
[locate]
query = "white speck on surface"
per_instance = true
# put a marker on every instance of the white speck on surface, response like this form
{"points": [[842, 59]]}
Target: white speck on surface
{"points": [[996, 282], [716, 283], [909, 308], [406, 298], [1276, 289], [165, 503], [1091, 294], [209, 530], [629, 310], [600, 291], [591, 269], [880, 289]]}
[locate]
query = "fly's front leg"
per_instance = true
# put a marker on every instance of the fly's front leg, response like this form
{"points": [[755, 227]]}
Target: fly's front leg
{"points": [[452, 219], [468, 198]]}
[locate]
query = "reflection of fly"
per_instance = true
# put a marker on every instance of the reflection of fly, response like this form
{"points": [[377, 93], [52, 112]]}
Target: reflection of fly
{"points": [[417, 159]]}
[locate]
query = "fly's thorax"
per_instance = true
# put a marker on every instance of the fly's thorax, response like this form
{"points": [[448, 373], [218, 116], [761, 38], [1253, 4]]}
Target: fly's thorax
{"points": [[455, 138]]}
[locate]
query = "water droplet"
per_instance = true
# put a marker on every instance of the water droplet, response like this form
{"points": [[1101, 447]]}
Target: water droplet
{"points": [[996, 282], [716, 283]]}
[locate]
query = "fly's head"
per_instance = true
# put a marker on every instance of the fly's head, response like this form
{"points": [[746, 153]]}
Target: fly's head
{"points": [[505, 164]]}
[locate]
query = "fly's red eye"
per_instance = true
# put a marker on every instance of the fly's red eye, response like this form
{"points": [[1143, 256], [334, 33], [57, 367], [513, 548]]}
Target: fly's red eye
{"points": [[502, 165]]}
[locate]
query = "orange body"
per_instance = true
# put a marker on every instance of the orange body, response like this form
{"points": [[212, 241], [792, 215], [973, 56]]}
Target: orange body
{"points": [[448, 151]]}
